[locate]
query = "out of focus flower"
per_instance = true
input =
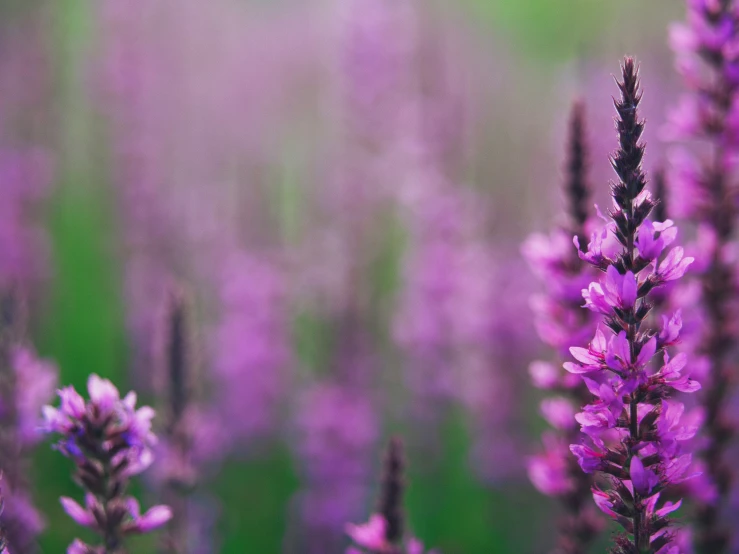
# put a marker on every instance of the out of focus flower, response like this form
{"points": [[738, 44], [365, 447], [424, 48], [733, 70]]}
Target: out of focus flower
{"points": [[36, 380], [250, 348], [180, 455], [26, 384], [705, 190], [337, 427], [561, 322], [385, 532]]}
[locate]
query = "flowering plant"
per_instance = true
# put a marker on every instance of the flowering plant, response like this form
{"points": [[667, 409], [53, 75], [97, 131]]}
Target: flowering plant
{"points": [[109, 441], [633, 429]]}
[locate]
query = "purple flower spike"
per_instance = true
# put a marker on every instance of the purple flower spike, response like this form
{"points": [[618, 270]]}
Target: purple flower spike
{"points": [[109, 440], [26, 384], [384, 532], [562, 322], [179, 453], [632, 433], [706, 192]]}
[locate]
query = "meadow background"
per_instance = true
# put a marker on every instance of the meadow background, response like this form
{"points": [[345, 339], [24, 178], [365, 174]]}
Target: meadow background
{"points": [[522, 61]]}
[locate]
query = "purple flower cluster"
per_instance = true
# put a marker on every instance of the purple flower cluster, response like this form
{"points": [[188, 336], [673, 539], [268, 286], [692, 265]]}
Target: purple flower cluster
{"points": [[632, 426], [561, 322], [705, 187], [26, 164], [110, 441], [338, 429], [24, 391], [190, 143], [251, 348], [177, 471], [427, 310]]}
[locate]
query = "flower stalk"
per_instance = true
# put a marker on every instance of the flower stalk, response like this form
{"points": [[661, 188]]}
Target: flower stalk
{"points": [[109, 441], [562, 322], [384, 533], [632, 426], [180, 476], [708, 57]]}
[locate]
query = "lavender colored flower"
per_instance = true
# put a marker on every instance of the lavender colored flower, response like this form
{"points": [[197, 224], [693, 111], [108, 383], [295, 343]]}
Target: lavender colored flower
{"points": [[110, 441], [29, 388], [3, 541], [179, 461], [491, 338], [633, 432], [384, 532], [705, 191], [561, 322], [251, 347], [25, 175], [26, 165], [337, 430], [36, 380], [26, 384], [427, 304]]}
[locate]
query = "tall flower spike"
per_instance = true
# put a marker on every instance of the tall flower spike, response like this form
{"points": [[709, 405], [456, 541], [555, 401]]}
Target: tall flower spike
{"points": [[3, 541], [576, 185], [561, 321], [109, 441], [177, 470], [707, 50], [337, 427], [391, 495], [26, 384], [632, 430], [384, 532]]}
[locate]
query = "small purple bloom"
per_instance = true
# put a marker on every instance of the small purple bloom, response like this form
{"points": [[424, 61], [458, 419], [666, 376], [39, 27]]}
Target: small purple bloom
{"points": [[79, 514], [111, 434]]}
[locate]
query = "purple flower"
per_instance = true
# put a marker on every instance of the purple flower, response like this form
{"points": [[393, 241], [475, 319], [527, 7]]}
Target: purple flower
{"points": [[559, 412], [371, 534], [250, 348], [633, 433], [590, 460], [550, 471], [653, 238], [706, 48], [26, 165], [153, 518], [27, 384], [180, 452], [561, 322], [673, 266], [337, 428], [109, 440], [81, 516], [642, 479]]}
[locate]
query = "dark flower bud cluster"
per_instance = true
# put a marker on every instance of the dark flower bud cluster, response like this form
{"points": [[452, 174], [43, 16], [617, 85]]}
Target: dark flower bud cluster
{"points": [[110, 441], [632, 426]]}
